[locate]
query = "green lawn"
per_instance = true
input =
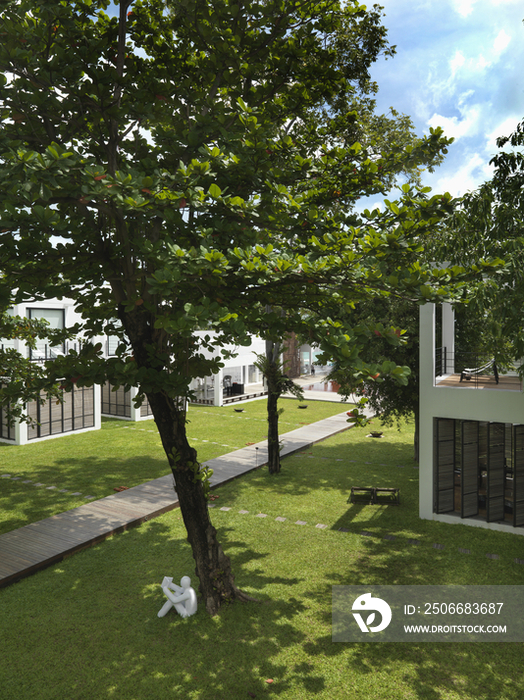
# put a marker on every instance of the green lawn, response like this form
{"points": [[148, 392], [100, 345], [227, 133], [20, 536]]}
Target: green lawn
{"points": [[125, 454], [88, 627]]}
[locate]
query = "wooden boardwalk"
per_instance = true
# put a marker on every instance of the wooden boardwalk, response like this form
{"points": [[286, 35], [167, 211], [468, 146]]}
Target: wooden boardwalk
{"points": [[35, 546]]}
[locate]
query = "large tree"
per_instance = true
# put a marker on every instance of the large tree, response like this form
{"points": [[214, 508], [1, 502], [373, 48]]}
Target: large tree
{"points": [[489, 224], [149, 173]]}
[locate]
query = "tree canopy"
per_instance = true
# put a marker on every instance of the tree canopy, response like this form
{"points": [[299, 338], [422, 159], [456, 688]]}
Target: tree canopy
{"points": [[160, 169], [489, 225]]}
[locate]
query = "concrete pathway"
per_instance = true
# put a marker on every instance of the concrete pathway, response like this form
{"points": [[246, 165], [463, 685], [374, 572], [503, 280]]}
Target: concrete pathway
{"points": [[38, 545]]}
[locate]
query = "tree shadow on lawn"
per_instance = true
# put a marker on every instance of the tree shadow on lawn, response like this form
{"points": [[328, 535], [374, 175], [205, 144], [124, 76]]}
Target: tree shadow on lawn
{"points": [[91, 476], [88, 627], [317, 487], [336, 466], [433, 671]]}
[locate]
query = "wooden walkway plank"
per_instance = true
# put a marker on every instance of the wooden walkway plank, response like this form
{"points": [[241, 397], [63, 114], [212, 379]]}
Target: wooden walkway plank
{"points": [[37, 545]]}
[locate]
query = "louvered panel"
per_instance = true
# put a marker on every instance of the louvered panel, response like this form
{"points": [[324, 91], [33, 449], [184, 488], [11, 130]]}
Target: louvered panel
{"points": [[470, 468], [496, 477], [470, 504], [518, 475], [444, 451]]}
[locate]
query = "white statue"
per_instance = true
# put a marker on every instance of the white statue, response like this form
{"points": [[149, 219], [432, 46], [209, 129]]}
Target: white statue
{"points": [[185, 600]]}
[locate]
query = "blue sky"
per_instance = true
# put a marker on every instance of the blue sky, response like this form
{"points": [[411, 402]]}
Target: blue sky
{"points": [[459, 65]]}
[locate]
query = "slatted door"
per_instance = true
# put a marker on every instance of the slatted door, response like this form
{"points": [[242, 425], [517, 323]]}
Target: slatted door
{"points": [[469, 500], [518, 475], [444, 462], [496, 474]]}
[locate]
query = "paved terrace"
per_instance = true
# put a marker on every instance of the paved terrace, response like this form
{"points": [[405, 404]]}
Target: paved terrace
{"points": [[33, 547]]}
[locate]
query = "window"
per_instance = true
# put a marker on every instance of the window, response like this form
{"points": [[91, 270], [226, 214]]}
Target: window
{"points": [[56, 320]]}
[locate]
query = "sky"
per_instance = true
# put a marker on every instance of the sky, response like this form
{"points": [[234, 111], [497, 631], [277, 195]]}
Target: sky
{"points": [[459, 65]]}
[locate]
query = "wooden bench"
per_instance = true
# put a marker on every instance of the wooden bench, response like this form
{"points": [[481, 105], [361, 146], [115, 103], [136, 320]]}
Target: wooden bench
{"points": [[375, 495]]}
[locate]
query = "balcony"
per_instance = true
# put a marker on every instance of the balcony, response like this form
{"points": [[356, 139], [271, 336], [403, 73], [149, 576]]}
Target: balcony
{"points": [[450, 371]]}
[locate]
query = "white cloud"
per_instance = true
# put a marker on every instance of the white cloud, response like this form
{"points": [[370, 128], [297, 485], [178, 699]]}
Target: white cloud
{"points": [[466, 178], [456, 62], [464, 7], [504, 128], [501, 42], [457, 127]]}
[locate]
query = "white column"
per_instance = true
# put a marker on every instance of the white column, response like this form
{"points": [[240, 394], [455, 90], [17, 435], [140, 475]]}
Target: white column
{"points": [[21, 433], [448, 339], [135, 412], [218, 396], [97, 409], [426, 384]]}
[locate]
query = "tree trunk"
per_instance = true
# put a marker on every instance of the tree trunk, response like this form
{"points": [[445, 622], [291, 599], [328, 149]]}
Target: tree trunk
{"points": [[273, 393], [213, 567]]}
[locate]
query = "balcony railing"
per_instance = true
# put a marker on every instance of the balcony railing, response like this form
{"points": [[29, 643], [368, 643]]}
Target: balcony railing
{"points": [[46, 352], [473, 369]]}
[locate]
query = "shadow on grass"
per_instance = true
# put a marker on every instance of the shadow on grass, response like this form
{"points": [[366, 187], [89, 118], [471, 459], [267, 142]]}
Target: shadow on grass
{"points": [[104, 638], [432, 671], [24, 503], [88, 627]]}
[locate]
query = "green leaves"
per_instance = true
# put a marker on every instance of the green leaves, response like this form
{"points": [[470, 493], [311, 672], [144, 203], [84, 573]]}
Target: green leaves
{"points": [[214, 191]]}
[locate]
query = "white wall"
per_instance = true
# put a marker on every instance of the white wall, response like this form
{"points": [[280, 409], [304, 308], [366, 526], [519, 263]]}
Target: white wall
{"points": [[454, 402], [244, 355]]}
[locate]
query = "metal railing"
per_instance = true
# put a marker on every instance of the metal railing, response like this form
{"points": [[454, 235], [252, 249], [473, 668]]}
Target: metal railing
{"points": [[470, 368]]}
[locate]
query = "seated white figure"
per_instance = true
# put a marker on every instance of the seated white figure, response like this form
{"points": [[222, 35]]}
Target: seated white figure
{"points": [[185, 600]]}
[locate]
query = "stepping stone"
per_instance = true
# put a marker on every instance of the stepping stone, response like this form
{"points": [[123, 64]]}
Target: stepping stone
{"points": [[225, 508], [62, 490], [243, 512], [343, 529], [39, 484], [16, 478], [493, 556], [50, 488], [400, 466], [211, 505], [437, 546], [365, 533], [410, 541], [87, 498], [390, 537], [321, 527], [27, 481], [75, 493], [281, 520], [464, 551], [261, 515], [5, 476], [519, 561], [300, 522]]}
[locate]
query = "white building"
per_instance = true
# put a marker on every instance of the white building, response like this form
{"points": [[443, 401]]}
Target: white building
{"points": [[471, 435], [238, 379], [80, 409]]}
